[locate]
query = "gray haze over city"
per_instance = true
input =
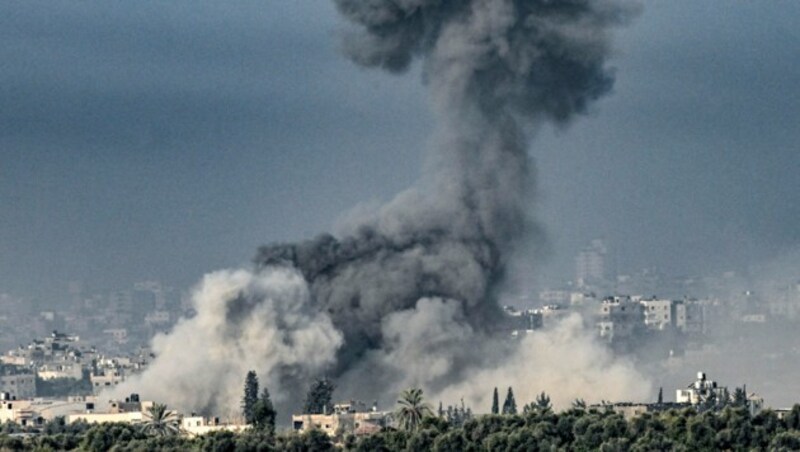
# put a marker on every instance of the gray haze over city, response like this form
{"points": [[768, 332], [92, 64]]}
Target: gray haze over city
{"points": [[166, 141]]}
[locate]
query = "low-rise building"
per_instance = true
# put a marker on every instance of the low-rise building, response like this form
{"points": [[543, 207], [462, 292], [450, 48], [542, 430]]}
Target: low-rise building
{"points": [[700, 391], [18, 411], [347, 418], [131, 410], [199, 425], [704, 391]]}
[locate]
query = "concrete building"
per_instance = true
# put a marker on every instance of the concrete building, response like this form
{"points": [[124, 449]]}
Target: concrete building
{"points": [[199, 425], [703, 389], [105, 379], [37, 411], [347, 418], [517, 322], [131, 410], [658, 314], [619, 319], [689, 317], [590, 265], [700, 391], [63, 370], [17, 382], [19, 411]]}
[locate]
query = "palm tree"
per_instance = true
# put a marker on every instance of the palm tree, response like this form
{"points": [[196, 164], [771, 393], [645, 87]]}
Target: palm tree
{"points": [[412, 409], [158, 421]]}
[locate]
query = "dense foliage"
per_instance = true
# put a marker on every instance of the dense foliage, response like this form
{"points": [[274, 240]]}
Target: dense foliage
{"points": [[319, 398], [250, 396], [732, 428], [257, 411]]}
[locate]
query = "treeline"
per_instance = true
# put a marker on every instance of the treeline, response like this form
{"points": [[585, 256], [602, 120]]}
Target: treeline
{"points": [[577, 429]]}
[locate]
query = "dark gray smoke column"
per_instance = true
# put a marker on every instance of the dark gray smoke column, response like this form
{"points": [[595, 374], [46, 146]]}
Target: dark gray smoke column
{"points": [[495, 68]]}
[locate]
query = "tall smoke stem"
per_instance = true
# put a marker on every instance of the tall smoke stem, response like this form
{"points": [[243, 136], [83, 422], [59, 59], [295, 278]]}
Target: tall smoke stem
{"points": [[495, 68]]}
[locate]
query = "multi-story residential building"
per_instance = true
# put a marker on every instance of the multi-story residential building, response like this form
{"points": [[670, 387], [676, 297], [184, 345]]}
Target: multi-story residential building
{"points": [[619, 319], [591, 266], [658, 314], [17, 382]]}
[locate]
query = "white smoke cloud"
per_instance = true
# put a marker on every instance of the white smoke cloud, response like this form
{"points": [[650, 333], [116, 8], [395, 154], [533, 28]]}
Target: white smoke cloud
{"points": [[566, 362], [245, 321]]}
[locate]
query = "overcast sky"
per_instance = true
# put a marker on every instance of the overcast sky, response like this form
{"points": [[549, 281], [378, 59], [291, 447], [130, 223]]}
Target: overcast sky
{"points": [[162, 140]]}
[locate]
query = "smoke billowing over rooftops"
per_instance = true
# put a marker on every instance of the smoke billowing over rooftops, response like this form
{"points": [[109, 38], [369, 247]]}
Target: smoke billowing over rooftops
{"points": [[409, 292]]}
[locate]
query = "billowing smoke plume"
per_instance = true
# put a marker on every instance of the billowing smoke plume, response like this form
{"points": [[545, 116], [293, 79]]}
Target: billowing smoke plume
{"points": [[411, 288], [245, 321]]}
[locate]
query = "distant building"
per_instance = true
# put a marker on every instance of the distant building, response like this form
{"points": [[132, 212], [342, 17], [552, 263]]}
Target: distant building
{"points": [[689, 317], [106, 379], [658, 314], [131, 410], [199, 425], [590, 265], [19, 411], [347, 418], [700, 391], [17, 382], [618, 319], [61, 370], [517, 322], [704, 390], [554, 297]]}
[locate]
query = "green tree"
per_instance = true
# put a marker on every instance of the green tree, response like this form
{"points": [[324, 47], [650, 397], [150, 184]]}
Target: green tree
{"points": [[452, 441], [319, 397], [159, 421], [710, 402], [660, 396], [785, 441], [264, 413], [412, 408], [792, 419], [579, 404], [495, 402], [250, 397], [739, 397], [510, 405], [543, 402]]}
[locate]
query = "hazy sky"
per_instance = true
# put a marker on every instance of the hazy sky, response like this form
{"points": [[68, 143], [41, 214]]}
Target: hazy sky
{"points": [[162, 140]]}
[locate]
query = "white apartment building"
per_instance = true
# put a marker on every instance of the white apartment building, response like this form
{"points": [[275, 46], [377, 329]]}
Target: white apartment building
{"points": [[658, 314]]}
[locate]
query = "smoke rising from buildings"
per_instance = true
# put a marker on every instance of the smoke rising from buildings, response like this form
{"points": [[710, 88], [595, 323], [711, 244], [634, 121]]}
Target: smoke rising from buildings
{"points": [[245, 321], [408, 292]]}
